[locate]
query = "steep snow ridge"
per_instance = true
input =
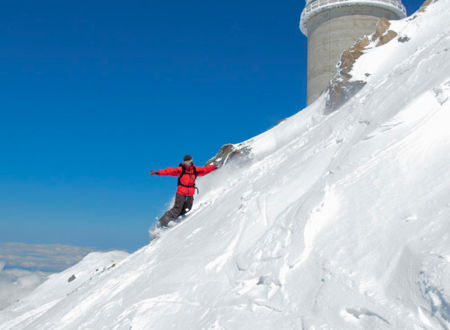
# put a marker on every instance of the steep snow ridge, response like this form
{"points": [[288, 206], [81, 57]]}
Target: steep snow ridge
{"points": [[339, 221]]}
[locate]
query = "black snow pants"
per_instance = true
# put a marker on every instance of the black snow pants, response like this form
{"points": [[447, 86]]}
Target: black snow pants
{"points": [[182, 205]]}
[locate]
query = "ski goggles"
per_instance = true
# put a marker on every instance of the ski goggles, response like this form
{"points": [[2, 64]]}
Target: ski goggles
{"points": [[188, 162]]}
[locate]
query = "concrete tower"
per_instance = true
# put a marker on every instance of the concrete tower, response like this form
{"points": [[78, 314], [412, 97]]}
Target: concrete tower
{"points": [[332, 26]]}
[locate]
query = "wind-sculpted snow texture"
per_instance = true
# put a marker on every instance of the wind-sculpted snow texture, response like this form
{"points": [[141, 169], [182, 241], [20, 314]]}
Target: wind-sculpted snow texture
{"points": [[337, 222]]}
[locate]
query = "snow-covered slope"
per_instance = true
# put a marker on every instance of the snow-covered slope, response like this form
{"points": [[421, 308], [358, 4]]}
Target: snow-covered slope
{"points": [[60, 286], [337, 222]]}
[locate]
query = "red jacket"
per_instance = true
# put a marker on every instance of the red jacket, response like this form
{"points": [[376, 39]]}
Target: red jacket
{"points": [[187, 181]]}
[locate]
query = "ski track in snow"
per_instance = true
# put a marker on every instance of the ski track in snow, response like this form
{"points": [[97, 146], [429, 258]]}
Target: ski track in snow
{"points": [[335, 222]]}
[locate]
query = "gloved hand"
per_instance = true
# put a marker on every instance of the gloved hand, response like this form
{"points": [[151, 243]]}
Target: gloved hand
{"points": [[154, 173]]}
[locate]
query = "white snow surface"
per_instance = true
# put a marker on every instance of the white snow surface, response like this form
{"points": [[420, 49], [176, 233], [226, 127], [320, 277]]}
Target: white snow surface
{"points": [[339, 221]]}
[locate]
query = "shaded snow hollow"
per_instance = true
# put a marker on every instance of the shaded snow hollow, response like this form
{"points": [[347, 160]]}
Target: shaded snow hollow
{"points": [[337, 222]]}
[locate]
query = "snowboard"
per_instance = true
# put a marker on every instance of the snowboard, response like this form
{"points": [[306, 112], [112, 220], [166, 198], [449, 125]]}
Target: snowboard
{"points": [[156, 231]]}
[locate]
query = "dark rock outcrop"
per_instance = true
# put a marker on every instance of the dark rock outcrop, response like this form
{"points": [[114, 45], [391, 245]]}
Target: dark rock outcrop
{"points": [[342, 88], [230, 152], [382, 34]]}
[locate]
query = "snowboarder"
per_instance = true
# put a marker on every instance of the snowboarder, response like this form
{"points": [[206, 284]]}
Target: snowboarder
{"points": [[186, 172]]}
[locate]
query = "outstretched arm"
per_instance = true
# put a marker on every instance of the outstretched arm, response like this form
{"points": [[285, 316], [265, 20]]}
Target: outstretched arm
{"points": [[201, 171], [171, 171]]}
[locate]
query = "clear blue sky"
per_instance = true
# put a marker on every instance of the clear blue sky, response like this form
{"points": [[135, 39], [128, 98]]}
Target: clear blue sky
{"points": [[94, 94]]}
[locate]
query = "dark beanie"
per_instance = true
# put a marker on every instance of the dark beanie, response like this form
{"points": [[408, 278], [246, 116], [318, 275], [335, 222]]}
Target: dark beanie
{"points": [[187, 157]]}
